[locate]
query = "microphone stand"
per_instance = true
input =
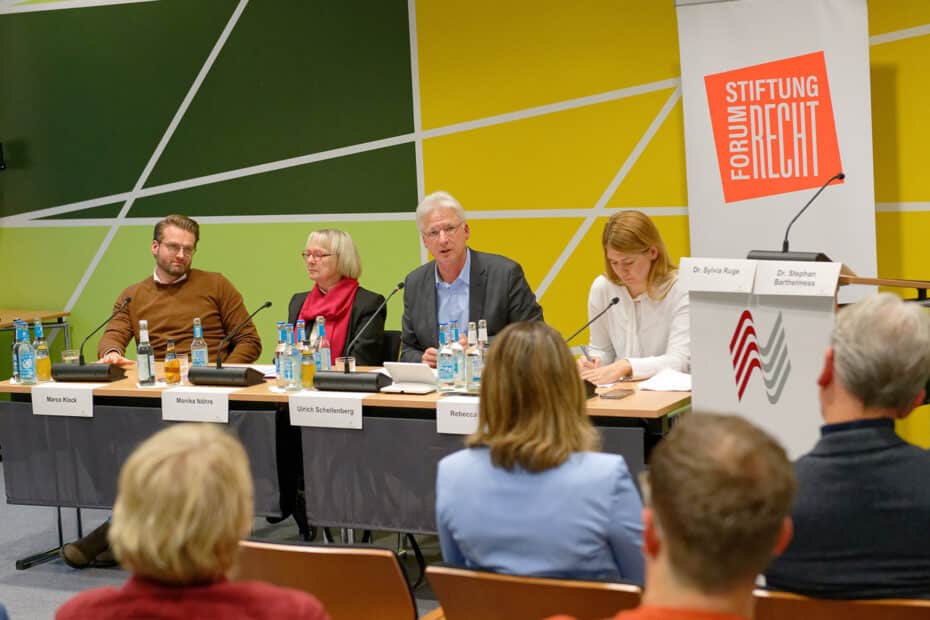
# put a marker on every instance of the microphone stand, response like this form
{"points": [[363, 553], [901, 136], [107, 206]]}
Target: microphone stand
{"points": [[239, 376], [589, 388], [91, 372], [345, 381]]}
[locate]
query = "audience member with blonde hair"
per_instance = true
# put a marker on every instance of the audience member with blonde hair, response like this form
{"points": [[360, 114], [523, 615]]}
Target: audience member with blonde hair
{"points": [[184, 502], [718, 500], [647, 331], [531, 495]]}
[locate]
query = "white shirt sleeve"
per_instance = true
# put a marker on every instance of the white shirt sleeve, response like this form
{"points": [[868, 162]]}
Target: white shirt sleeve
{"points": [[673, 311]]}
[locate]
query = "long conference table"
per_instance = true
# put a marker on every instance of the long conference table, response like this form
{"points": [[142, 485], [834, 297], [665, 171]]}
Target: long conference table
{"points": [[381, 477]]}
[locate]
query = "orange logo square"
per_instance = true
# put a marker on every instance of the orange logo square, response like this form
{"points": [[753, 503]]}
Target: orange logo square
{"points": [[773, 127]]}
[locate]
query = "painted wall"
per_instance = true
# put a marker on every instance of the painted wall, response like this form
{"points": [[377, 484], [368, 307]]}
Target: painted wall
{"points": [[266, 120]]}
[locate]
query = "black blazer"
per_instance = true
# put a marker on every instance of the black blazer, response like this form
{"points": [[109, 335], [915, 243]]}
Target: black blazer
{"points": [[368, 351], [498, 293]]}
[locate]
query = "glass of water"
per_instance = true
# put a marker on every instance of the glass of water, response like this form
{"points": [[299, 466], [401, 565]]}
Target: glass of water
{"points": [[185, 366]]}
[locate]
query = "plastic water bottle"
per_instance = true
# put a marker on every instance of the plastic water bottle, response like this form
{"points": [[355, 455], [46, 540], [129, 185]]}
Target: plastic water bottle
{"points": [[473, 360], [292, 362], [145, 356], [279, 352], [446, 363], [17, 336], [199, 352], [458, 354], [27, 357], [322, 355]]}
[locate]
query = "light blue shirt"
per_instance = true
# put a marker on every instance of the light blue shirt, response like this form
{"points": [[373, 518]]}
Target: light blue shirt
{"points": [[580, 520], [452, 299]]}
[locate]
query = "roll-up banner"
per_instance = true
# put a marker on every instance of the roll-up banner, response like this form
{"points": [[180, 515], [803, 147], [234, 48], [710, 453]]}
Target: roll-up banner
{"points": [[776, 101]]}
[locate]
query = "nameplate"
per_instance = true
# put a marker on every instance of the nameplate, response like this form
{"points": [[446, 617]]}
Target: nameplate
{"points": [[196, 404], [76, 401], [797, 278], [717, 275], [457, 415], [327, 409]]}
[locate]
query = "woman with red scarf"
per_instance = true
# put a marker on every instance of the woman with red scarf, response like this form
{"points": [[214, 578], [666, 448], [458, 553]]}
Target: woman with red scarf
{"points": [[334, 266]]}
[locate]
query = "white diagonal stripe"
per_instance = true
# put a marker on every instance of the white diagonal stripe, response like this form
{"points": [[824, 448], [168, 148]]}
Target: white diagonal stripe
{"points": [[899, 35], [10, 7], [600, 206]]}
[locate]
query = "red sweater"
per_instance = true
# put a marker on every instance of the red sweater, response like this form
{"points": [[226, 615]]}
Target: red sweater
{"points": [[664, 613], [229, 600], [171, 309]]}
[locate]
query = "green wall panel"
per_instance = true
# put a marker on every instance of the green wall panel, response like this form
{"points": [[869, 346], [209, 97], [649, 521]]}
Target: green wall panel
{"points": [[372, 182], [297, 77], [88, 93], [106, 211]]}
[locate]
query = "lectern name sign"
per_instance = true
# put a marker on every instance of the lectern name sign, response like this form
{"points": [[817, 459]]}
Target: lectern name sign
{"points": [[794, 278], [68, 399], [196, 404], [723, 275], [457, 415], [327, 409]]}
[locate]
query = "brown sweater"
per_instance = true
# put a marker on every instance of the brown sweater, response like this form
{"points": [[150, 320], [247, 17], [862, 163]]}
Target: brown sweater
{"points": [[171, 309]]}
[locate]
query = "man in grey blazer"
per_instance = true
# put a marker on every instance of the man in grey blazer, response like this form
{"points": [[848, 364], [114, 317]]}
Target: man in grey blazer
{"points": [[460, 283]]}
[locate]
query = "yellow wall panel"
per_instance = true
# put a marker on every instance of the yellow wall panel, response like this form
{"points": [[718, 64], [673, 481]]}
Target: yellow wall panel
{"points": [[900, 123], [903, 251], [890, 15], [480, 58], [556, 161]]}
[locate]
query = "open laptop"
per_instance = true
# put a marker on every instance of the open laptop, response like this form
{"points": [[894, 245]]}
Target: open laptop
{"points": [[410, 378]]}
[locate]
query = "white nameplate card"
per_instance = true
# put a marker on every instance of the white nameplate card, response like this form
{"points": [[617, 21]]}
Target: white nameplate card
{"points": [[717, 275], [797, 278], [74, 400], [196, 404], [457, 415], [327, 409]]}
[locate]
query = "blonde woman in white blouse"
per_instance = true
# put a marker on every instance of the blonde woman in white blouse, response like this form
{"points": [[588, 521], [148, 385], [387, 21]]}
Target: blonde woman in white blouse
{"points": [[648, 330]]}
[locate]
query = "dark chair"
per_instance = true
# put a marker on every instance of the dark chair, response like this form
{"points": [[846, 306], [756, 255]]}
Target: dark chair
{"points": [[391, 349]]}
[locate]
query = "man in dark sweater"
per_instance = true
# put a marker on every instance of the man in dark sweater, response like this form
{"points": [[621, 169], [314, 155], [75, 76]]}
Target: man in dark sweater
{"points": [[863, 504]]}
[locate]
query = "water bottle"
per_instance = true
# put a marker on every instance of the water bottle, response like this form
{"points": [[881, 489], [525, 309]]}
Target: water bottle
{"points": [[27, 357], [473, 361], [446, 363], [279, 351], [17, 336], [458, 354], [145, 356], [322, 354], [199, 352]]}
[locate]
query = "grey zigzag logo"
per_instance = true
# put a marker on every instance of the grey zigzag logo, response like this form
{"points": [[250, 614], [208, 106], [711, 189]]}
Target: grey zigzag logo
{"points": [[770, 358]]}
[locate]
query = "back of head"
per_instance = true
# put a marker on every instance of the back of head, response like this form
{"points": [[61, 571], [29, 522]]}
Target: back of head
{"points": [[720, 489], [881, 350], [532, 406], [340, 243], [438, 200], [633, 232], [184, 502], [178, 221]]}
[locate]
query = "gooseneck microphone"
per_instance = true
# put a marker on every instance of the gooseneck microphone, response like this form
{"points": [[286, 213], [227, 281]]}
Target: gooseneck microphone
{"points": [[234, 332], [613, 302], [122, 307], [91, 372], [839, 176], [348, 349], [238, 376]]}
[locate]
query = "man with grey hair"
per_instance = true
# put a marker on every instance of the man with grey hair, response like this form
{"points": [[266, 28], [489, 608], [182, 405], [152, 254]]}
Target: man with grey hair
{"points": [[460, 284], [863, 503]]}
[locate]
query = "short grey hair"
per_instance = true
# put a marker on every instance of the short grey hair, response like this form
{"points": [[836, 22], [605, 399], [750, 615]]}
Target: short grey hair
{"points": [[438, 200], [339, 242], [881, 349]]}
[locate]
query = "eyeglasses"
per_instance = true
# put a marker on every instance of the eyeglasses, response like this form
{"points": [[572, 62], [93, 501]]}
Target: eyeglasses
{"points": [[174, 248], [307, 255], [449, 229]]}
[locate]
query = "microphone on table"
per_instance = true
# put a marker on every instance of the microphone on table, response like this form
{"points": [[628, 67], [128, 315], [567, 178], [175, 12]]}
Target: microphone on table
{"points": [[91, 372], [785, 254], [588, 386], [345, 381], [239, 376]]}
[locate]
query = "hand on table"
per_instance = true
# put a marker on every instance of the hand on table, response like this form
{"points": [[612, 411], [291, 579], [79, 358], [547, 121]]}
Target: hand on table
{"points": [[602, 375], [115, 358]]}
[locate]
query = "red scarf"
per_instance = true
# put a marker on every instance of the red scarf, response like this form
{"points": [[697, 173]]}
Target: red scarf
{"points": [[334, 306]]}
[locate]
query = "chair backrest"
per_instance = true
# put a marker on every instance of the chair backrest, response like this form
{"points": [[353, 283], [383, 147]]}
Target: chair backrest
{"points": [[466, 595], [772, 605], [391, 350], [350, 581]]}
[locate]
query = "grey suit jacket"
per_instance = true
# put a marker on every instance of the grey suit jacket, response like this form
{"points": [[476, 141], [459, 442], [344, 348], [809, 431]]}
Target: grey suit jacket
{"points": [[498, 293]]}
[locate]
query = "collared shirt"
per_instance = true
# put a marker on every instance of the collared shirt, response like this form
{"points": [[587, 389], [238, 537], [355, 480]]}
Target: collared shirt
{"points": [[839, 427], [160, 281], [452, 299]]}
